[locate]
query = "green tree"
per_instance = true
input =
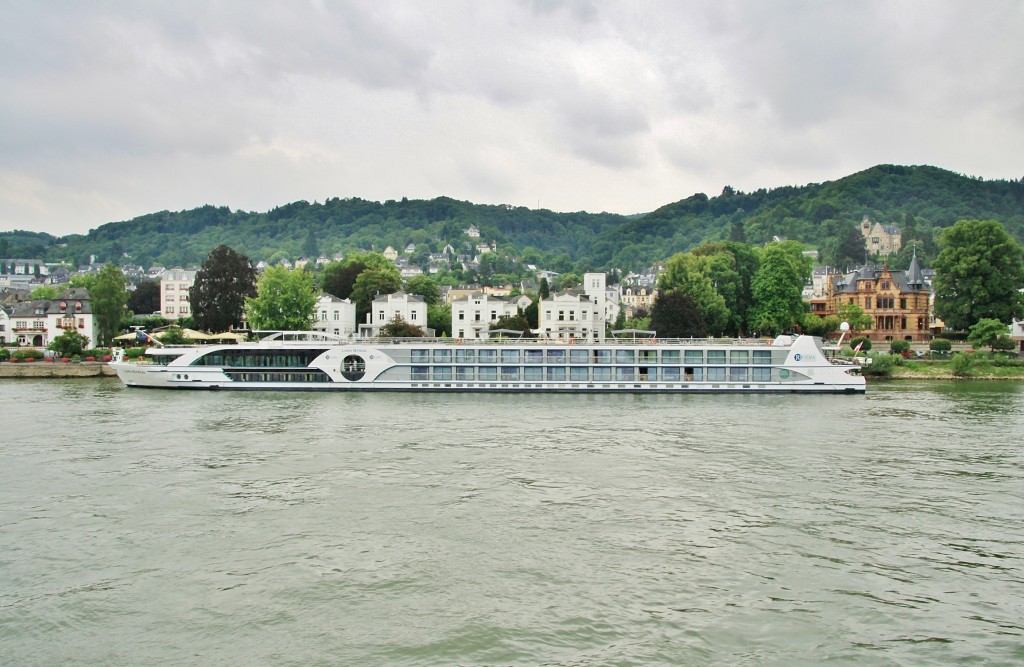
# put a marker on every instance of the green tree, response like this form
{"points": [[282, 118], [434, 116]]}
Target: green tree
{"points": [[987, 332], [689, 274], [676, 315], [222, 285], [544, 290], [813, 325], [731, 267], [172, 335], [86, 280], [515, 322], [285, 300], [567, 281], [439, 318], [778, 288], [69, 344], [425, 287], [397, 327], [854, 315], [145, 298], [44, 292], [978, 274], [846, 248], [371, 283], [108, 298], [339, 278], [532, 314]]}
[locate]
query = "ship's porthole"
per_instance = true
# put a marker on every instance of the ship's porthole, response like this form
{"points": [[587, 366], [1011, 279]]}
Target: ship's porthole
{"points": [[353, 367]]}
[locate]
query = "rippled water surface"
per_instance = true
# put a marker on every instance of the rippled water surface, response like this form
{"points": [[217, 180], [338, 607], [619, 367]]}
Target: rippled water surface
{"points": [[146, 527]]}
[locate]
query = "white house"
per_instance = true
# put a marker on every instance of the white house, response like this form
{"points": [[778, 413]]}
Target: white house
{"points": [[5, 327], [335, 316], [472, 315], [576, 314], [410, 307], [36, 323], [174, 287]]}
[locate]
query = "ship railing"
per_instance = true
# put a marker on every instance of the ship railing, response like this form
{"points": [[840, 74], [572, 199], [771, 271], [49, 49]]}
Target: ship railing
{"points": [[556, 342]]}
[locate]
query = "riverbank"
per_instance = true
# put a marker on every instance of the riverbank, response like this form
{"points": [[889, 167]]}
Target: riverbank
{"points": [[47, 369], [943, 370]]}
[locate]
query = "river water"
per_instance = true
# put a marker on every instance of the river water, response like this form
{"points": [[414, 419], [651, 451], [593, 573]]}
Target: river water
{"points": [[147, 527]]}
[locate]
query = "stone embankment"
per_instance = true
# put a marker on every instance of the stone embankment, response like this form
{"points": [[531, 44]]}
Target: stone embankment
{"points": [[44, 369]]}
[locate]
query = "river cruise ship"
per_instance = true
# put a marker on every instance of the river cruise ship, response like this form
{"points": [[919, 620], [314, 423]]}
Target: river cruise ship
{"points": [[315, 361]]}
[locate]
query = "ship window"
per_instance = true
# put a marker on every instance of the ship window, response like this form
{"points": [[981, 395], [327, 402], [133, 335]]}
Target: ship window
{"points": [[442, 372], [556, 357], [510, 373], [421, 356], [737, 374], [579, 356], [716, 356], [738, 356], [694, 356], [670, 374], [421, 372], [510, 356], [533, 373], [533, 356], [670, 357], [488, 372], [602, 374], [762, 356], [353, 367], [443, 356], [488, 356], [465, 356], [602, 356], [579, 373], [648, 356], [624, 356], [761, 374], [464, 372], [715, 374], [556, 373], [625, 373]]}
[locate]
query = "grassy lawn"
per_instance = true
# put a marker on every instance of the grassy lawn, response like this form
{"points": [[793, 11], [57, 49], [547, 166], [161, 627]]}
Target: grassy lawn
{"points": [[983, 367]]}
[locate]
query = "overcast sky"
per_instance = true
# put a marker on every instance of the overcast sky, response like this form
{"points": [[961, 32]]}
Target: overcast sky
{"points": [[110, 110]]}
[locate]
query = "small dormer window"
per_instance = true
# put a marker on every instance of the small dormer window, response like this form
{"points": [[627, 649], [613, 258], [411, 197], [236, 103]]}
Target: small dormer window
{"points": [[63, 305], [78, 305]]}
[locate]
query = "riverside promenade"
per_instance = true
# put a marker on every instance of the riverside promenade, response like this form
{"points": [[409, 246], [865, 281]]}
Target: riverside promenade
{"points": [[54, 369]]}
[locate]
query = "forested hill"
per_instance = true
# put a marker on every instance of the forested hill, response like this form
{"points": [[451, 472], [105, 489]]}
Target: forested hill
{"points": [[921, 200]]}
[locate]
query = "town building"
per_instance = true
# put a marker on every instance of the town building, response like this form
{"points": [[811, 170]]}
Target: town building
{"points": [[473, 315], [23, 273], [639, 297], [410, 307], [5, 327], [577, 314], [39, 321], [881, 239], [335, 316], [174, 293], [898, 302]]}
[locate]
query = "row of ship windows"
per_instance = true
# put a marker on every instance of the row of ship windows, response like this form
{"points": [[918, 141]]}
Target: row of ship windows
{"points": [[604, 374], [587, 356]]}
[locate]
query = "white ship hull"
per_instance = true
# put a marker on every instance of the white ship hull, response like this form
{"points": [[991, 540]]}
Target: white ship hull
{"points": [[297, 363]]}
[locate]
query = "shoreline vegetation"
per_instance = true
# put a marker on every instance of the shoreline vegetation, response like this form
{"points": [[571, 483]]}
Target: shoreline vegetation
{"points": [[963, 365]]}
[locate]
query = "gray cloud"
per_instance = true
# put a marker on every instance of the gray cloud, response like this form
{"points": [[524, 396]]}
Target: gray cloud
{"points": [[116, 109]]}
